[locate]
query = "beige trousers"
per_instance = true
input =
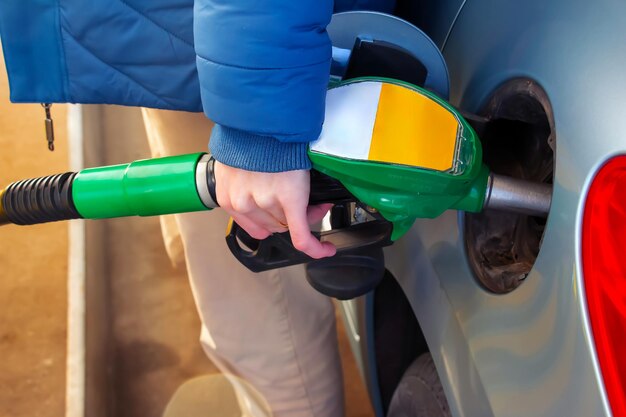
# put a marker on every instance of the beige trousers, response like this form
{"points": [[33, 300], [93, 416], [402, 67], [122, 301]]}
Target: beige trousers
{"points": [[270, 332]]}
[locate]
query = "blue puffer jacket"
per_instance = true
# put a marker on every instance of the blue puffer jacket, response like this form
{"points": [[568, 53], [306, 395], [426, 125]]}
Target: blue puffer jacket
{"points": [[259, 68]]}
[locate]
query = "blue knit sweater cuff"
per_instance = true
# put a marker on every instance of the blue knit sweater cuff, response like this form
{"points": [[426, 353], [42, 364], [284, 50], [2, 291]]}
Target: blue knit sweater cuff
{"points": [[252, 152]]}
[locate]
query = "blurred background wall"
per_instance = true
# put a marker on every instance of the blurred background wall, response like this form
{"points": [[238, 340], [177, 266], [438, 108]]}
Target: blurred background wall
{"points": [[33, 270]]}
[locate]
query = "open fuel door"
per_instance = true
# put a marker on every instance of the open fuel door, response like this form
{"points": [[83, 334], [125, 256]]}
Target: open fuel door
{"points": [[380, 45]]}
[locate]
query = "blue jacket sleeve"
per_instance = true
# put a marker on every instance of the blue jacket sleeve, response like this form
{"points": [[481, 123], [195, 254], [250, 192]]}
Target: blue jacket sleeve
{"points": [[263, 67]]}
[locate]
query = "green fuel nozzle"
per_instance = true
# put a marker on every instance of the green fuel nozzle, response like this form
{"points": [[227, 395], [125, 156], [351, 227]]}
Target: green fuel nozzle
{"points": [[394, 148]]}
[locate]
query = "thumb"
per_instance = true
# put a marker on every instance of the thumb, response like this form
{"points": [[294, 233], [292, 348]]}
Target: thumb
{"points": [[316, 213], [301, 236]]}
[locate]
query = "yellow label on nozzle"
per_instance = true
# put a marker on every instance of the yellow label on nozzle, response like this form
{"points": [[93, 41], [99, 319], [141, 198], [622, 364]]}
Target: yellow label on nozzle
{"points": [[412, 129], [390, 123]]}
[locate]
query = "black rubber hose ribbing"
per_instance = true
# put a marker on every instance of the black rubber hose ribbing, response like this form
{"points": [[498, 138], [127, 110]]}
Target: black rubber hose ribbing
{"points": [[40, 200]]}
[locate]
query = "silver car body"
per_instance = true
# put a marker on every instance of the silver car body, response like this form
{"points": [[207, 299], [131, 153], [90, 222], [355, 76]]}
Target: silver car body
{"points": [[529, 352]]}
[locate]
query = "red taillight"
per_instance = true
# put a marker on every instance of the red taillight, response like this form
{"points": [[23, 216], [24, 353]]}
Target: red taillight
{"points": [[604, 271]]}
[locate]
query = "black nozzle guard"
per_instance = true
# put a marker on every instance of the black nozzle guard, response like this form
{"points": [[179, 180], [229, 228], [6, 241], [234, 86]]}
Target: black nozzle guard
{"points": [[356, 269]]}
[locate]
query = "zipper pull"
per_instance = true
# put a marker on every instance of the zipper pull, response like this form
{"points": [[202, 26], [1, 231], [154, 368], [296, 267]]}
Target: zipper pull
{"points": [[49, 126]]}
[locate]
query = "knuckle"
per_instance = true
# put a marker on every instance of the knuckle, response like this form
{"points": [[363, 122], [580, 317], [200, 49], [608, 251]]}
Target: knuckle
{"points": [[300, 243], [265, 201], [242, 204]]}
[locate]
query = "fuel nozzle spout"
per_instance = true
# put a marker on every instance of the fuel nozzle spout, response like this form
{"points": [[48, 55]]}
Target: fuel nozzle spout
{"points": [[519, 196]]}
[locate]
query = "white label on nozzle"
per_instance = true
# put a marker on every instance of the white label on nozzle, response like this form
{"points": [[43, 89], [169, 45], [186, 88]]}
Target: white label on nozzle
{"points": [[350, 117]]}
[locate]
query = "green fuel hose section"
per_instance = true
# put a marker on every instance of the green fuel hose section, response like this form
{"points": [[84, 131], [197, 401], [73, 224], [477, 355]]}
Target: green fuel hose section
{"points": [[142, 188]]}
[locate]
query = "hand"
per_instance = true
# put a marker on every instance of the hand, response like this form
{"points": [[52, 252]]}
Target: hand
{"points": [[263, 203]]}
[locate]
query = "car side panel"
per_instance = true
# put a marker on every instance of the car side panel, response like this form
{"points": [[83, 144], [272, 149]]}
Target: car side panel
{"points": [[435, 18], [527, 352]]}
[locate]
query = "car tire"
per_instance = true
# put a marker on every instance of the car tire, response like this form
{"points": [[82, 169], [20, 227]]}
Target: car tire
{"points": [[419, 393]]}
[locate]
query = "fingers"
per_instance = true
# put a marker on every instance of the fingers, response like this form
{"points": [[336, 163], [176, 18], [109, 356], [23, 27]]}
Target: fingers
{"points": [[301, 236], [258, 217], [270, 204], [256, 220], [316, 213], [250, 227], [264, 203]]}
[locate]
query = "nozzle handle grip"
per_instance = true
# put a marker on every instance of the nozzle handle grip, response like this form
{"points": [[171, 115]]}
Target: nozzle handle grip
{"points": [[277, 251]]}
